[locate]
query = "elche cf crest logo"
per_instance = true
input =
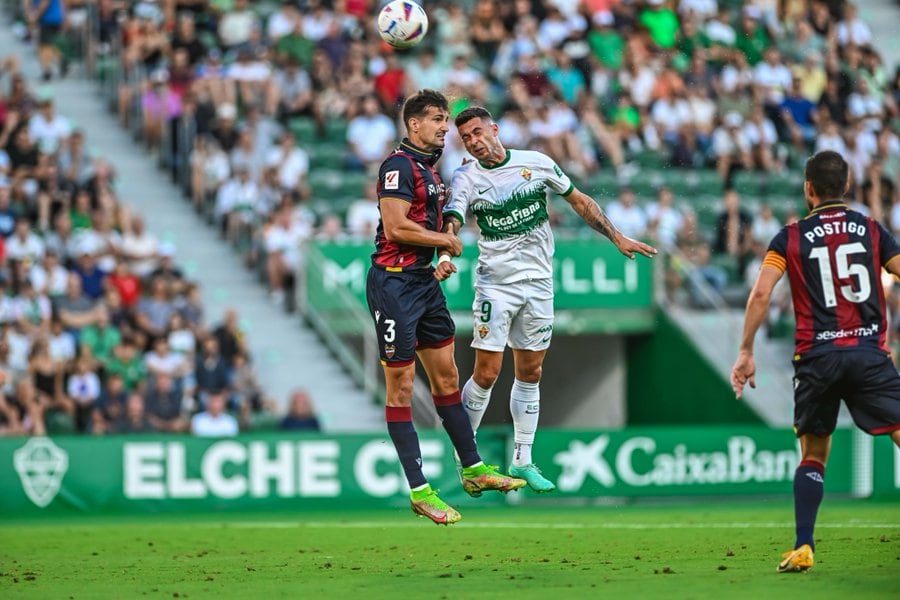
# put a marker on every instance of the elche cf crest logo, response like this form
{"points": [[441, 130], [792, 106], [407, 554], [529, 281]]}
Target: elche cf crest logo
{"points": [[41, 466], [525, 173]]}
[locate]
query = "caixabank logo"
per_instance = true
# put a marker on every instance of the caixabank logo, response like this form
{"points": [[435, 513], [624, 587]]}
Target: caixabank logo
{"points": [[41, 466]]}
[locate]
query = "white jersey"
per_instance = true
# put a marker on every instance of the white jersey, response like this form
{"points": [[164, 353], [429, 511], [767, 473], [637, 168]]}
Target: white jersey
{"points": [[509, 202]]}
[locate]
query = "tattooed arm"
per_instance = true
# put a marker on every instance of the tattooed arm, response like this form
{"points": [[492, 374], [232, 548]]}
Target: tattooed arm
{"points": [[594, 216]]}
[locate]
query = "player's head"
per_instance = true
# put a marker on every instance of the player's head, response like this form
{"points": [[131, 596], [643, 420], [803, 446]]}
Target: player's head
{"points": [[426, 115], [480, 134], [826, 177]]}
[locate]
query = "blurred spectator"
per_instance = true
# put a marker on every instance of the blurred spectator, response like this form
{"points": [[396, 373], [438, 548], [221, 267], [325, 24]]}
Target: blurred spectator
{"points": [[627, 215], [214, 421], [128, 364], [664, 220], [161, 360], [236, 25], [765, 225], [231, 338], [282, 245], [248, 391], [164, 404], [100, 339], [61, 344], [733, 229], [363, 215], [84, 389], [135, 419], [32, 309], [292, 164], [762, 138], [24, 245], [300, 416], [155, 309], [75, 309], [139, 247], [211, 370], [370, 135], [731, 147]]}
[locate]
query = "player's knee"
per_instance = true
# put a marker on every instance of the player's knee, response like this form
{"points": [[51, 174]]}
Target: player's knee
{"points": [[486, 377], [446, 383], [530, 374]]}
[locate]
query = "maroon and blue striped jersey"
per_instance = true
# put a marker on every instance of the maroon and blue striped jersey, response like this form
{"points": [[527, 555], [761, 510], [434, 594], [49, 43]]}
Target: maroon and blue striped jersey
{"points": [[408, 174], [834, 259]]}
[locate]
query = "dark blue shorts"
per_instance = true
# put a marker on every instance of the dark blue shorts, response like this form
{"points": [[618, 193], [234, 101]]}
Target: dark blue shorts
{"points": [[410, 312], [866, 381]]}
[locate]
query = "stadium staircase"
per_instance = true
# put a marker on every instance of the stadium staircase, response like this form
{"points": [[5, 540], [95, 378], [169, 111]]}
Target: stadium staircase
{"points": [[288, 353]]}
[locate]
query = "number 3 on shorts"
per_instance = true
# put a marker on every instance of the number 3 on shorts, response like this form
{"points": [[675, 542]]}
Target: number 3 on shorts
{"points": [[486, 311], [389, 333]]}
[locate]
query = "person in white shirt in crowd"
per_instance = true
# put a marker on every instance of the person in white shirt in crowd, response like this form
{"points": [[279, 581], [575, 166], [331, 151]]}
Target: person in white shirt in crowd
{"points": [[731, 147], [425, 73], [84, 388], [670, 113], [292, 164], [370, 134], [664, 220], [244, 154], [102, 240], [363, 215], [765, 224], [629, 217], [293, 92], [48, 276], [32, 310], [719, 30], [467, 78], [210, 168], [252, 73], [237, 24], [282, 244], [830, 138], [865, 107], [282, 21], [772, 78], [700, 9], [140, 247], [49, 129], [853, 30], [762, 137], [236, 202], [214, 421], [61, 344], [24, 245], [161, 359]]}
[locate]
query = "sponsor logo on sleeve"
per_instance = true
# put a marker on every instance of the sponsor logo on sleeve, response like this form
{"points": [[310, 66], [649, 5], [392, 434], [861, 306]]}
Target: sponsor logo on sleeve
{"points": [[392, 180]]}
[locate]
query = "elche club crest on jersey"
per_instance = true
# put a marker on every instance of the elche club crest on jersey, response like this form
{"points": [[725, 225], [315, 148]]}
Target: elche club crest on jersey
{"points": [[41, 466], [483, 331], [389, 350], [525, 173]]}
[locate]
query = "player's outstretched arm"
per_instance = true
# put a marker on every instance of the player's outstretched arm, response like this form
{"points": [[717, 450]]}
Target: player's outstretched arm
{"points": [[594, 216], [744, 370]]}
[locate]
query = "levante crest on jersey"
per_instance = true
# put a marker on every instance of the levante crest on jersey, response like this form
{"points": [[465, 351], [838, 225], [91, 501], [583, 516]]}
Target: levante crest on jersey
{"points": [[525, 173]]}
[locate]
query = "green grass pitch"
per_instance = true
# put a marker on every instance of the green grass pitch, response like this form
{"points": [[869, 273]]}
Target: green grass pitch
{"points": [[697, 550]]}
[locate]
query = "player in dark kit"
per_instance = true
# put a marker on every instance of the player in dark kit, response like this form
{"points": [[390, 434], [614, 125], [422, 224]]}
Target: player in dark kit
{"points": [[410, 310], [833, 258]]}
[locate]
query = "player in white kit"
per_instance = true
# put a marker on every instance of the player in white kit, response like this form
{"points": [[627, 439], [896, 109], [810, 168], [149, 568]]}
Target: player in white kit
{"points": [[506, 191]]}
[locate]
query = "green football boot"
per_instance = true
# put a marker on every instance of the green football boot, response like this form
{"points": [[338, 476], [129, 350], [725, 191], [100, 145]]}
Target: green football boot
{"points": [[533, 476]]}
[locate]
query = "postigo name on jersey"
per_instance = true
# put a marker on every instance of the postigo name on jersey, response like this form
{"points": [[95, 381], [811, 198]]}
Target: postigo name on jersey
{"points": [[848, 333], [515, 217], [835, 228]]}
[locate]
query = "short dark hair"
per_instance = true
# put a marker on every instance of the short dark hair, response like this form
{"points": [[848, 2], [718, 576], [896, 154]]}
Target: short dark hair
{"points": [[473, 112], [417, 104], [827, 172]]}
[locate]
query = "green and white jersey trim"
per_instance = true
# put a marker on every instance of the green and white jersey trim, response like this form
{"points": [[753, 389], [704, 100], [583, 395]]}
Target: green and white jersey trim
{"points": [[509, 203]]}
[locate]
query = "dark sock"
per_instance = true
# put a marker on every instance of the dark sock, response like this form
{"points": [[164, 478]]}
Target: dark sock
{"points": [[459, 428], [809, 487], [406, 441]]}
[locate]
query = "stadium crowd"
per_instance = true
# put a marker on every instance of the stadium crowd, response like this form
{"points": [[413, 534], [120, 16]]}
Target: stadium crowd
{"points": [[100, 330], [280, 110]]}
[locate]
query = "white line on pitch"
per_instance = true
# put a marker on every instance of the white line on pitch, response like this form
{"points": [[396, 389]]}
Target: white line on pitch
{"points": [[502, 525]]}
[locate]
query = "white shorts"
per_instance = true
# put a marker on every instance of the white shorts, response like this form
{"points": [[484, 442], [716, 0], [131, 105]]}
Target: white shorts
{"points": [[519, 315]]}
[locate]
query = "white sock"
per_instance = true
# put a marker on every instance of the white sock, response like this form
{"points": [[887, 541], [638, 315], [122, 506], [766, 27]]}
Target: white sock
{"points": [[525, 407], [475, 400]]}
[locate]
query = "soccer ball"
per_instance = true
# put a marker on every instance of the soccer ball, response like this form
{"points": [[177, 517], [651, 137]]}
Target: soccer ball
{"points": [[402, 23]]}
